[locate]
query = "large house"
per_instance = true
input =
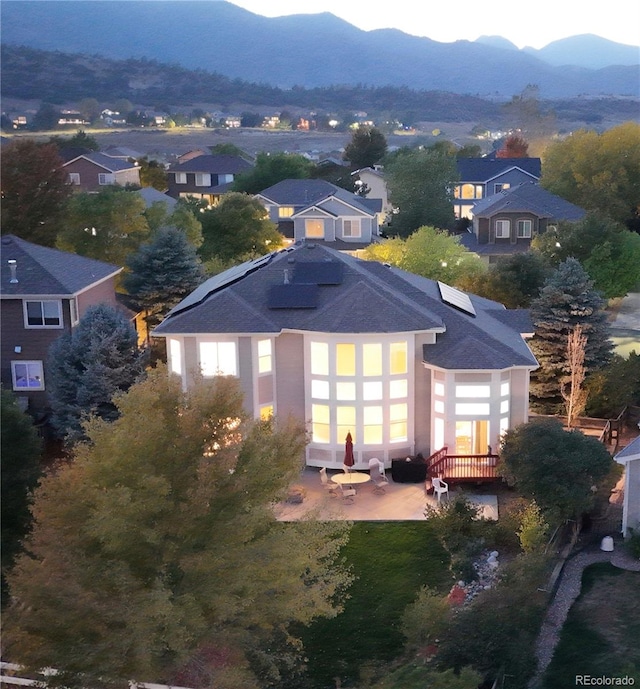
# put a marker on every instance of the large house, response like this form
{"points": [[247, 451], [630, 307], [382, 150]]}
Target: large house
{"points": [[44, 293], [629, 457], [205, 177], [506, 222], [93, 171], [405, 364], [315, 209], [482, 177]]}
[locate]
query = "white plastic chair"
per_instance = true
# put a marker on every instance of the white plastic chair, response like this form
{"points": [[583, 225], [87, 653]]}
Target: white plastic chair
{"points": [[440, 488], [327, 484], [347, 493], [378, 477]]}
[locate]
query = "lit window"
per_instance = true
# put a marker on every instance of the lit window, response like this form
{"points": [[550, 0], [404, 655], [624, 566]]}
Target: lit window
{"points": [[345, 391], [473, 391], [321, 429], [351, 228], [504, 389], [398, 389], [524, 229], [285, 211], [175, 356], [438, 389], [398, 422], [27, 375], [501, 187], [320, 389], [346, 422], [43, 314], [218, 358], [470, 191], [320, 358], [438, 434], [472, 437], [203, 179], [105, 178], [346, 359], [398, 357], [266, 411], [372, 390], [504, 407], [503, 229], [74, 178], [504, 425], [372, 425], [439, 406], [314, 229], [181, 177], [372, 359], [264, 356], [471, 408]]}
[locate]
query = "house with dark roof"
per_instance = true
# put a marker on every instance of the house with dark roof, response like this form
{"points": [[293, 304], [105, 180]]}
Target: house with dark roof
{"points": [[93, 171], [316, 210], [629, 457], [205, 177], [483, 177], [405, 364], [506, 222], [44, 293]]}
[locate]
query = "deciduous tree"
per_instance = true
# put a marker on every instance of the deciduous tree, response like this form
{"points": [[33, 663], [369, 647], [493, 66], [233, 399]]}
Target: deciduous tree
{"points": [[367, 147], [572, 388], [156, 554], [153, 174], [184, 216], [514, 147], [271, 169], [35, 189], [88, 365]]}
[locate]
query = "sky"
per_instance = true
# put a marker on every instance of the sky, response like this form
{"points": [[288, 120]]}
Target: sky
{"points": [[533, 24]]}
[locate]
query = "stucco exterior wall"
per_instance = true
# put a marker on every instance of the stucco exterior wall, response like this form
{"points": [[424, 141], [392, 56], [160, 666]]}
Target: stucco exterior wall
{"points": [[631, 509], [290, 375]]}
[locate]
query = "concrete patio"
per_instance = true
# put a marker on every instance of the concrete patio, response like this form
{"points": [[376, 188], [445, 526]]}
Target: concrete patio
{"points": [[399, 502]]}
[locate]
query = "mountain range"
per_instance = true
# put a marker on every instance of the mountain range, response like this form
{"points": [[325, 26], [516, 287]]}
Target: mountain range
{"points": [[317, 50]]}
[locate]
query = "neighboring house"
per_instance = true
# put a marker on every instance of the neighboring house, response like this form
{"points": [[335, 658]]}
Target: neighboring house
{"points": [[482, 177], [92, 171], [44, 293], [122, 152], [205, 177], [630, 458], [318, 210], [373, 178], [406, 364], [150, 196], [68, 117], [505, 223]]}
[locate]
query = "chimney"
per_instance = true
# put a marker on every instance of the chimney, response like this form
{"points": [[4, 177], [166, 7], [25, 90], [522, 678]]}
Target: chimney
{"points": [[13, 267], [286, 277]]}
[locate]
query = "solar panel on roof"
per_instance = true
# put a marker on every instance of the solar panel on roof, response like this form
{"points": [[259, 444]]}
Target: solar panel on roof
{"points": [[290, 296], [318, 273], [454, 297]]}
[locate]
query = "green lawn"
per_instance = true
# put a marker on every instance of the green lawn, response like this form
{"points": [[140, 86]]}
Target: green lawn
{"points": [[391, 560], [601, 636]]}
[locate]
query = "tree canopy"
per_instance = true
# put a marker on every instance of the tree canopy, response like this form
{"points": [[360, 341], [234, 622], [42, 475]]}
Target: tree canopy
{"points": [[429, 252], [184, 217], [367, 147], [567, 299], [88, 365], [556, 468], [156, 556], [35, 189], [108, 225], [271, 169], [420, 184], [598, 172]]}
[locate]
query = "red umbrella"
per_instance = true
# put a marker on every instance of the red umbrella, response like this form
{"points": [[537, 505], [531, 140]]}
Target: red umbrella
{"points": [[349, 460]]}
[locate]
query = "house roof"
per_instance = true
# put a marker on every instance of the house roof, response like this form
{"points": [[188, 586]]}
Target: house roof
{"points": [[362, 297], [470, 241], [214, 164], [484, 169], [151, 196], [528, 197], [631, 452], [107, 162], [44, 271]]}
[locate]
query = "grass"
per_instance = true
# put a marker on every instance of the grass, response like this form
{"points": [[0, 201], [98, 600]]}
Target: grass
{"points": [[391, 561], [601, 636]]}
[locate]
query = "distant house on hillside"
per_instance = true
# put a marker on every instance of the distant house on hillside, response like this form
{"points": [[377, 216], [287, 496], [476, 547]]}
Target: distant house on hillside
{"points": [[483, 177], [316, 210], [505, 223], [92, 171], [205, 177], [44, 293]]}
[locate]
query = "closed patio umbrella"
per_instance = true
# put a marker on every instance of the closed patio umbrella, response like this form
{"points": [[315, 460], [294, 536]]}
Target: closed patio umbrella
{"points": [[349, 460]]}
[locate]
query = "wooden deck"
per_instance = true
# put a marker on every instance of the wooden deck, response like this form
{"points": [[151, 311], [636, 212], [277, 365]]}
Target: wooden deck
{"points": [[463, 468]]}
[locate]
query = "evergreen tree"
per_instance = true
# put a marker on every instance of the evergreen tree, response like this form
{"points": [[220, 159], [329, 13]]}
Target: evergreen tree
{"points": [[567, 300], [163, 272], [87, 366], [367, 147]]}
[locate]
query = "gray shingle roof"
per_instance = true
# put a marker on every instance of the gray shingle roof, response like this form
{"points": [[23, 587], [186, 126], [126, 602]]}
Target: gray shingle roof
{"points": [[373, 298], [214, 164], [106, 162], [528, 198], [631, 451], [483, 169], [44, 271], [299, 192]]}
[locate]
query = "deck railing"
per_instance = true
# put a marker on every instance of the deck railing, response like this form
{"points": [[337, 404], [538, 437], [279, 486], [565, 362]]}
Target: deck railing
{"points": [[462, 467]]}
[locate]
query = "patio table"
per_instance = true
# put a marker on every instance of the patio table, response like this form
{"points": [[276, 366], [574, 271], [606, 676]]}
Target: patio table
{"points": [[351, 478]]}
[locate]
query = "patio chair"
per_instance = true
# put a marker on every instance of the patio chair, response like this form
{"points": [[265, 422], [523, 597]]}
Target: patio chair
{"points": [[440, 488], [327, 484], [347, 493], [378, 477]]}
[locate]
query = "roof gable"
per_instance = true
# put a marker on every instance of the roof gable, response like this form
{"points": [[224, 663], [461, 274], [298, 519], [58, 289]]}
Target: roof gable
{"points": [[530, 198], [482, 170]]}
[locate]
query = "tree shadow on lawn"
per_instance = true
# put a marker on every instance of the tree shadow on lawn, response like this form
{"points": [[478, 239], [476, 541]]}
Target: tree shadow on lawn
{"points": [[392, 561]]}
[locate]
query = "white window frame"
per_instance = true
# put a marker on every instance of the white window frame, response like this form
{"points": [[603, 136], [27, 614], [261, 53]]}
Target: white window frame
{"points": [[232, 371], [524, 228], [203, 179], [29, 364], [311, 235], [500, 231], [73, 311], [74, 178], [264, 352], [352, 228], [58, 325], [105, 178], [180, 177], [285, 211]]}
